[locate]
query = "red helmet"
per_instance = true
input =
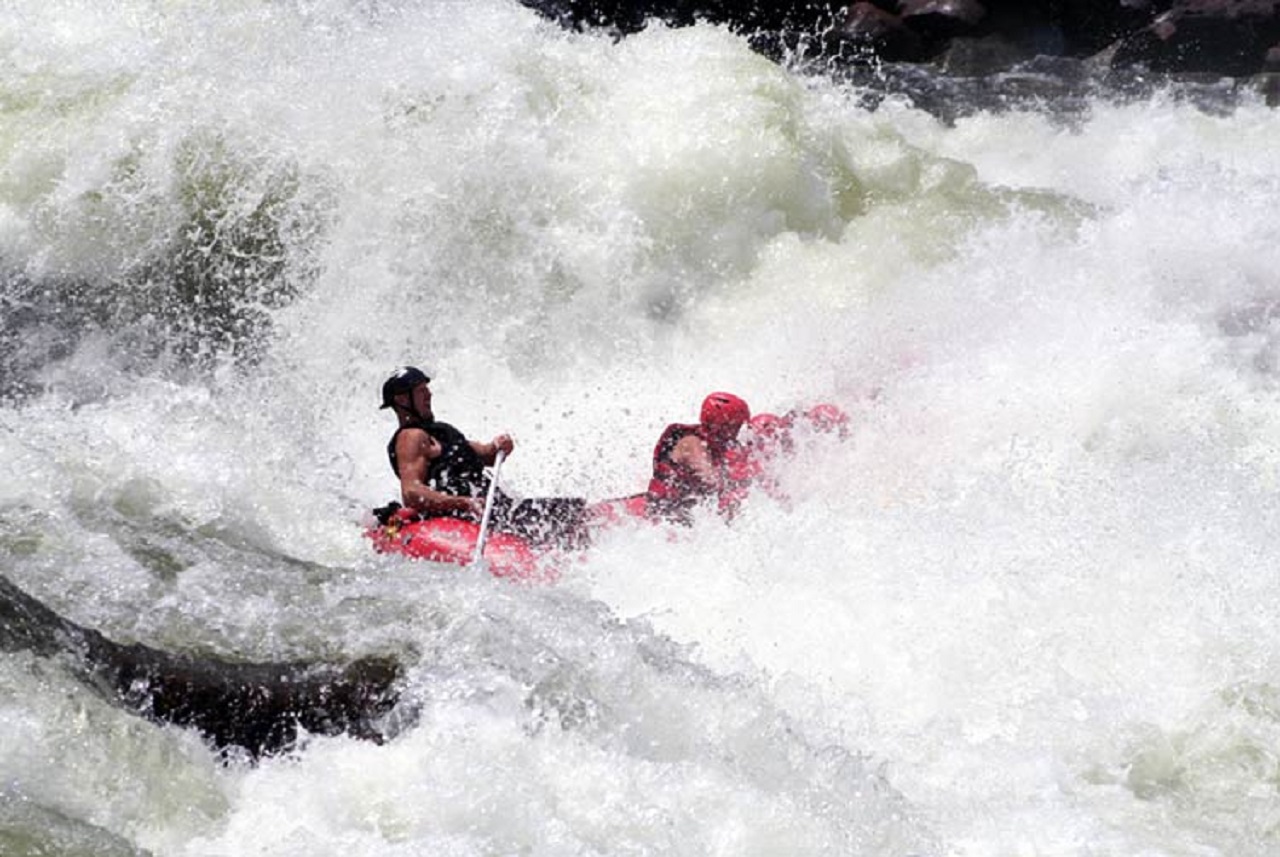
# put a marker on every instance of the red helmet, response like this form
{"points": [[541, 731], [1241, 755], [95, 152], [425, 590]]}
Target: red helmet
{"points": [[723, 414]]}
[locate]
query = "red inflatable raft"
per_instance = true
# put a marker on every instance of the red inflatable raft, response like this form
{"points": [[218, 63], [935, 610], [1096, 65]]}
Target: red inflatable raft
{"points": [[453, 540], [506, 555]]}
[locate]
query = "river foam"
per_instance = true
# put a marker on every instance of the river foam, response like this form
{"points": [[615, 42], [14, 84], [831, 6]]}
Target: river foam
{"points": [[1025, 608]]}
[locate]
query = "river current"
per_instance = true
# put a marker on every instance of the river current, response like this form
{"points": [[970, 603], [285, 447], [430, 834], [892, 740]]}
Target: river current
{"points": [[1027, 607]]}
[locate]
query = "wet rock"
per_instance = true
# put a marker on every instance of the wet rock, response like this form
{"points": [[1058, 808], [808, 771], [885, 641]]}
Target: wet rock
{"points": [[1230, 37], [936, 21], [1088, 26], [977, 57], [1224, 37], [257, 708], [1268, 82], [867, 27]]}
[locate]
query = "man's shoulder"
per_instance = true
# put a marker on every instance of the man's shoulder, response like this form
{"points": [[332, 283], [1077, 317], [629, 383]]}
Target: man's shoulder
{"points": [[680, 429], [681, 432], [410, 434], [691, 438], [419, 434], [442, 431], [671, 436], [432, 428]]}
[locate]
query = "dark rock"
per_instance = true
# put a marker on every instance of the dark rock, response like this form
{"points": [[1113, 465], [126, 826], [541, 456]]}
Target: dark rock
{"points": [[260, 708], [936, 21], [966, 13], [1088, 26], [1229, 37], [975, 57], [867, 27], [1268, 83]]}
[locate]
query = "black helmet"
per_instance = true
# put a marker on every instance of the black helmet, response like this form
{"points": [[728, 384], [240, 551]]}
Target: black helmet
{"points": [[403, 381]]}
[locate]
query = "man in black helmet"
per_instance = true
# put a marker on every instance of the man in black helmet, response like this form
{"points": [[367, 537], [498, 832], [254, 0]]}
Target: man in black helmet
{"points": [[443, 474]]}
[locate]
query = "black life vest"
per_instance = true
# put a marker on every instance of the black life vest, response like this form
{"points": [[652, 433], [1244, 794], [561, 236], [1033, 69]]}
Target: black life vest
{"points": [[458, 470]]}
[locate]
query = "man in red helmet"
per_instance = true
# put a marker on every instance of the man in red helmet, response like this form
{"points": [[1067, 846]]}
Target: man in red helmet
{"points": [[694, 462]]}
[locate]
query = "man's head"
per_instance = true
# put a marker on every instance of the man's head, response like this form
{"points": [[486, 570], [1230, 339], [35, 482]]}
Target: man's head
{"points": [[407, 391], [722, 416]]}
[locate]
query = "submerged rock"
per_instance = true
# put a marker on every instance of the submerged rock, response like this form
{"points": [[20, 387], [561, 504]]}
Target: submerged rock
{"points": [[260, 708]]}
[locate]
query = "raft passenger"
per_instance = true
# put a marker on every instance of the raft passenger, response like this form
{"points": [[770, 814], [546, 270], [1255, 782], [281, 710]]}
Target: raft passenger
{"points": [[442, 473], [693, 463]]}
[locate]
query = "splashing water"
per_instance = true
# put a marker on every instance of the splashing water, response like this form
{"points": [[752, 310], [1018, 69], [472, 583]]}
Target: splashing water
{"points": [[1025, 608]]}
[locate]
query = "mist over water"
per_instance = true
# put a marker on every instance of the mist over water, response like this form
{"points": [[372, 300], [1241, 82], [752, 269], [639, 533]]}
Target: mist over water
{"points": [[1026, 607]]}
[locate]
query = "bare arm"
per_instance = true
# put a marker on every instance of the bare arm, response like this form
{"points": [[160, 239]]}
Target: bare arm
{"points": [[691, 452], [488, 452], [414, 451]]}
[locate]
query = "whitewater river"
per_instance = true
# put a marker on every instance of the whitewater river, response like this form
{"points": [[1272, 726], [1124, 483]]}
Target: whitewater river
{"points": [[1027, 608]]}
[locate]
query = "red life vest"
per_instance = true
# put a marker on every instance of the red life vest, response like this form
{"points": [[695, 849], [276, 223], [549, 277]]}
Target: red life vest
{"points": [[674, 487]]}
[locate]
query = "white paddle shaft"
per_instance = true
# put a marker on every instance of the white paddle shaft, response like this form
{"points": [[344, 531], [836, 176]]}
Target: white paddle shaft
{"points": [[488, 507]]}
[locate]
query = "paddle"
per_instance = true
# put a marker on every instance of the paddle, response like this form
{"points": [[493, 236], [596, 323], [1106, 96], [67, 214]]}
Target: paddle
{"points": [[488, 508]]}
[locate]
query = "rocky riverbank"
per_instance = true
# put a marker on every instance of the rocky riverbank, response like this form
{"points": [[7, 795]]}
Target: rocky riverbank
{"points": [[1019, 48]]}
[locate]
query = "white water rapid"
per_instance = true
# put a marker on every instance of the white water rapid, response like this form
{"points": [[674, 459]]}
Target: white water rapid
{"points": [[1027, 607]]}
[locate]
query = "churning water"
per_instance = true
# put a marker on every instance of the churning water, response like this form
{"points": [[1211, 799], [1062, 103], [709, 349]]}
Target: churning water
{"points": [[1028, 607]]}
